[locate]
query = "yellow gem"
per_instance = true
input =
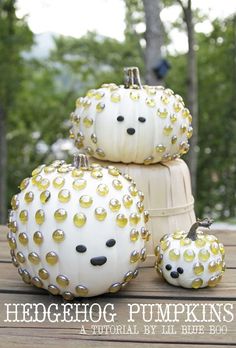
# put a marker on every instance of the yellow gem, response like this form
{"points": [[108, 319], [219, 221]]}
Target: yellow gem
{"points": [[148, 160], [102, 190], [23, 216], [12, 243], [200, 242], [177, 107], [51, 258], [100, 107], [100, 214], [140, 207], [174, 254], [160, 148], [134, 95], [146, 216], [165, 99], [213, 281], [49, 169], [60, 215], [169, 91], [79, 219], [203, 255], [45, 196], [128, 276], [99, 95], [185, 241], [38, 170], [113, 171], [165, 244], [62, 280], [178, 235], [100, 152], [214, 248], [141, 196], [114, 205], [127, 201], [23, 238], [15, 202], [36, 179], [134, 257], [212, 266], [115, 97], [167, 129], [134, 218], [222, 249], [38, 238], [198, 268], [117, 184], [43, 273], [88, 122], [43, 184], [133, 190], [58, 182], [29, 196], [85, 201], [121, 220], [162, 113], [174, 139], [77, 173], [58, 236], [34, 258], [39, 217], [12, 225], [190, 132], [183, 128], [90, 93], [81, 290], [185, 112], [20, 257], [64, 196], [144, 233], [150, 102], [134, 235], [173, 118], [197, 283], [24, 183], [189, 255], [79, 184], [96, 174]]}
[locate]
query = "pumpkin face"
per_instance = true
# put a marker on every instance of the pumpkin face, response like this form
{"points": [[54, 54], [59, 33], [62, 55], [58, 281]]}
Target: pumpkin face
{"points": [[190, 263], [131, 124], [77, 231]]}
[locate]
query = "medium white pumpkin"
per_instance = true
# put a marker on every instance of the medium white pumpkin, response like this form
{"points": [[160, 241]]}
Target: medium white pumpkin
{"points": [[77, 230], [191, 260], [131, 123]]}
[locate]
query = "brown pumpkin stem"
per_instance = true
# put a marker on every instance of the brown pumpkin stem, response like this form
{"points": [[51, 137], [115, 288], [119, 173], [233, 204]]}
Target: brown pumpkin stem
{"points": [[80, 161], [132, 77], [192, 234]]}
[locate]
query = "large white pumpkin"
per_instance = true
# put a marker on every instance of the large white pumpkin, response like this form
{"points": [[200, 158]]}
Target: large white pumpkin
{"points": [[77, 230], [132, 123]]}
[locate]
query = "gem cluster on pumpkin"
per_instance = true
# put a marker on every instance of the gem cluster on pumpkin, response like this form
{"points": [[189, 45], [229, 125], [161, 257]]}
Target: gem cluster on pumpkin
{"points": [[85, 212]]}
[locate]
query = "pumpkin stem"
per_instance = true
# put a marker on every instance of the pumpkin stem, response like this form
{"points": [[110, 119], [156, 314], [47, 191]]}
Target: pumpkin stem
{"points": [[132, 77], [80, 161], [192, 234]]}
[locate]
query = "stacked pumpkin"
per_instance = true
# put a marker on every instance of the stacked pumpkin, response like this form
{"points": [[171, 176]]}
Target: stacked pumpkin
{"points": [[143, 130]]}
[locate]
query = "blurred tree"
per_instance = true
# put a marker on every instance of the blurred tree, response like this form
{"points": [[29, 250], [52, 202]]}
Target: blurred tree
{"points": [[14, 38]]}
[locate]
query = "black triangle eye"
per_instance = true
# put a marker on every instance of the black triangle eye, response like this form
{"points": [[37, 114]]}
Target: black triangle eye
{"points": [[142, 119], [110, 243], [81, 248], [120, 118]]}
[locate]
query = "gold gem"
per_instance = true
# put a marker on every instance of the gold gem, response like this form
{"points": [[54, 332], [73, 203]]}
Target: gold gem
{"points": [[26, 276], [114, 205], [117, 184], [141, 196], [114, 287], [37, 282], [198, 268], [212, 266], [51, 258], [39, 217], [185, 241], [174, 139], [203, 254], [20, 257], [140, 207], [143, 254], [58, 236], [49, 169], [157, 250], [134, 257], [213, 281], [88, 122], [144, 233], [162, 113], [183, 128], [85, 201], [146, 216], [90, 93], [197, 283], [96, 174], [189, 255], [200, 242], [100, 214], [43, 273], [15, 202], [134, 218], [134, 95], [23, 216], [99, 95], [168, 129], [24, 183], [185, 112], [113, 171], [36, 179], [43, 184], [63, 169], [128, 276], [121, 220], [173, 118], [53, 289], [183, 147], [38, 238], [134, 235], [79, 184], [150, 102], [133, 190], [177, 107], [160, 148], [23, 238], [222, 249], [12, 225], [94, 138], [34, 258], [62, 280], [100, 107], [100, 152], [45, 196], [64, 196], [178, 235], [29, 196], [190, 132], [127, 201], [102, 190], [60, 215], [79, 219], [115, 97], [214, 248], [12, 242], [58, 182], [86, 102], [81, 290], [165, 99], [38, 170], [148, 160], [174, 254], [77, 173], [168, 91], [165, 244]]}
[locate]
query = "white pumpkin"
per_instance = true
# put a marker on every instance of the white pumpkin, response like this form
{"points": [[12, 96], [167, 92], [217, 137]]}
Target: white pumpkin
{"points": [[191, 260], [77, 230], [131, 123]]}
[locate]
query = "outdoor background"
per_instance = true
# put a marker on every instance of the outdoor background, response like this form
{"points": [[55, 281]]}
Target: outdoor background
{"points": [[52, 51]]}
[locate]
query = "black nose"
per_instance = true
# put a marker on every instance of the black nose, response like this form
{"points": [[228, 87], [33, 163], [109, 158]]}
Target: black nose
{"points": [[174, 274], [131, 131], [98, 261]]}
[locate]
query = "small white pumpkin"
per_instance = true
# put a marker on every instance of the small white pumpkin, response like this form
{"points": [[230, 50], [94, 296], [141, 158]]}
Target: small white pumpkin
{"points": [[191, 260], [77, 230], [132, 123]]}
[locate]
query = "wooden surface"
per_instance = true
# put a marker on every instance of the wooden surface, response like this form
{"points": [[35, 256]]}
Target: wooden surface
{"points": [[147, 289]]}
